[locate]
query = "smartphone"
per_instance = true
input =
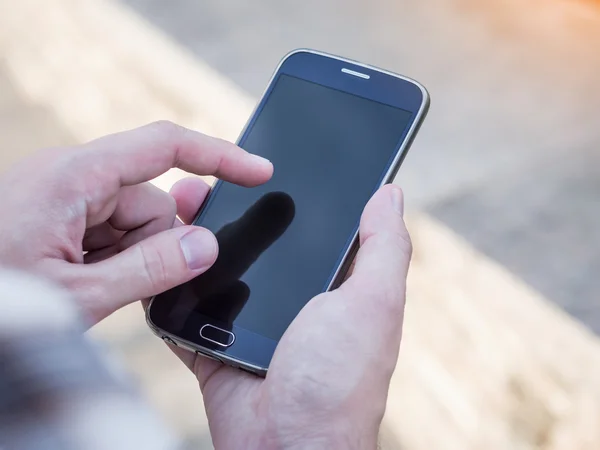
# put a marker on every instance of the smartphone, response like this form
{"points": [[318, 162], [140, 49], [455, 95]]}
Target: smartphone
{"points": [[335, 130]]}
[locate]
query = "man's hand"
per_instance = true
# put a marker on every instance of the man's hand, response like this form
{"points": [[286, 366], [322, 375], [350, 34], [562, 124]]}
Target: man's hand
{"points": [[86, 217], [328, 381]]}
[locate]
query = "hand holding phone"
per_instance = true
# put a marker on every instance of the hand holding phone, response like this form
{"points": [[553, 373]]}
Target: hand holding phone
{"points": [[328, 380], [335, 131], [329, 375]]}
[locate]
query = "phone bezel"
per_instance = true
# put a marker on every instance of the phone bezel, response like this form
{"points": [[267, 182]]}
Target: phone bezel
{"points": [[325, 69]]}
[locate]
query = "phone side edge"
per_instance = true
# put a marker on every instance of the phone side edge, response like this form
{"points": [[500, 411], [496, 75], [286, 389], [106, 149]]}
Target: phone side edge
{"points": [[352, 249]]}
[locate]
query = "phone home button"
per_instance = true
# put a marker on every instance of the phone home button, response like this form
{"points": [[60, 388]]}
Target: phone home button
{"points": [[216, 335]]}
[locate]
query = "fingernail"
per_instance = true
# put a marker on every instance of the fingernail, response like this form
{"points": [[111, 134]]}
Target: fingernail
{"points": [[397, 200], [260, 159], [199, 249]]}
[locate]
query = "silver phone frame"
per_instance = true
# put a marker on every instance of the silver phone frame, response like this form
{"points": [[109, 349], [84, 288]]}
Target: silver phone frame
{"points": [[352, 248]]}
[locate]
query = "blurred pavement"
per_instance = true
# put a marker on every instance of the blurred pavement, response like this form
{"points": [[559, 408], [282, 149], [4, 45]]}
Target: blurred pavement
{"points": [[24, 126]]}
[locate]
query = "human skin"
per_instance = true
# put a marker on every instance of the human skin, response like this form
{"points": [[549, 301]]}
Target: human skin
{"points": [[86, 217]]}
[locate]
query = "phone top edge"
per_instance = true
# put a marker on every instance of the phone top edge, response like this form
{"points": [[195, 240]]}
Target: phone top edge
{"points": [[422, 88], [356, 63], [426, 98]]}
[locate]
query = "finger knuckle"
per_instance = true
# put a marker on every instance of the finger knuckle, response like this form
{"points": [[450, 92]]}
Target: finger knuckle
{"points": [[56, 163], [155, 269], [404, 241], [398, 241], [392, 301], [166, 128], [70, 175]]}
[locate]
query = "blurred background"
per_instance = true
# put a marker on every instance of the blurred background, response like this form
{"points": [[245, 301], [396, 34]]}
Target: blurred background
{"points": [[502, 185]]}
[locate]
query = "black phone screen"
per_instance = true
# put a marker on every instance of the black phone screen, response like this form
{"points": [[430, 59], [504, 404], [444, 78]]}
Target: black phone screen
{"points": [[280, 243]]}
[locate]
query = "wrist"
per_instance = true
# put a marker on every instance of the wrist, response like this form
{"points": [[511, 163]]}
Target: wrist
{"points": [[321, 434], [332, 442]]}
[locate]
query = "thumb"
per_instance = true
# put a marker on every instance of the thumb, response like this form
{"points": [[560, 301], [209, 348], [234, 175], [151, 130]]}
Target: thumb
{"points": [[148, 268], [374, 295], [378, 281]]}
